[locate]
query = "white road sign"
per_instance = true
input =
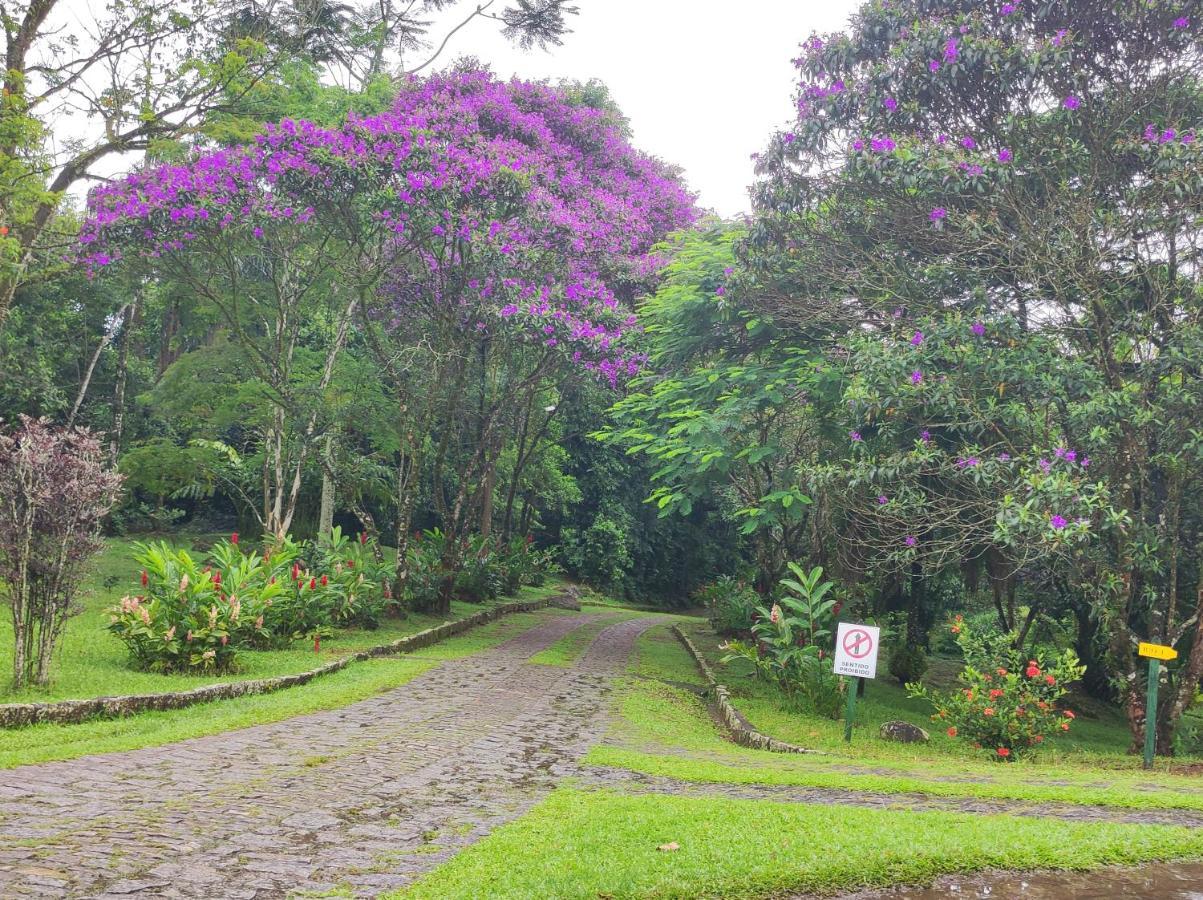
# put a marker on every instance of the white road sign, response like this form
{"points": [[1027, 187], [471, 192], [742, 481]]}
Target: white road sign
{"points": [[856, 650]]}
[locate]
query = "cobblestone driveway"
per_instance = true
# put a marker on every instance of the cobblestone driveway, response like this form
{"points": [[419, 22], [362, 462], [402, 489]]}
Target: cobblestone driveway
{"points": [[370, 795]]}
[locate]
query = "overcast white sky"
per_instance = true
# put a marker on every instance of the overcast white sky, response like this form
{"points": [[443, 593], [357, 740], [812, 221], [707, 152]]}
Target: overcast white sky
{"points": [[703, 82]]}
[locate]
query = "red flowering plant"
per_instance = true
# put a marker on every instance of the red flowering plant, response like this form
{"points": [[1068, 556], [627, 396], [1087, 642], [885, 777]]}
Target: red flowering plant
{"points": [[1008, 701], [790, 638], [186, 616]]}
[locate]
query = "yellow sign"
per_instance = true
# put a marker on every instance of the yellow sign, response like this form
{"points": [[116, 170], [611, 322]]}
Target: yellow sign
{"points": [[1157, 651]]}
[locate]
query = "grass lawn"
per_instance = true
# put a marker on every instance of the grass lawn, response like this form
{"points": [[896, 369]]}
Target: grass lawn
{"points": [[570, 647], [1099, 737], [605, 844], [664, 729], [44, 743], [92, 662]]}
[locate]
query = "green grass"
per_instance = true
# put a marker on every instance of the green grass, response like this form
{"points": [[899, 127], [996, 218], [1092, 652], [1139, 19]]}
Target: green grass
{"points": [[664, 730], [46, 743], [1099, 737], [92, 662], [604, 844], [568, 649]]}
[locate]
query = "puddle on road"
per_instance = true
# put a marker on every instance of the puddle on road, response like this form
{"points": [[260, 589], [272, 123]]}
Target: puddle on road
{"points": [[1180, 881]]}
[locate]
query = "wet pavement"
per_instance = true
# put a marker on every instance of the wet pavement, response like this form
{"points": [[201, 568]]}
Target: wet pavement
{"points": [[366, 797]]}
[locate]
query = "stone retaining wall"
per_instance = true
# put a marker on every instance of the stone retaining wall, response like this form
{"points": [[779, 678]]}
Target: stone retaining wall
{"points": [[741, 729], [71, 712]]}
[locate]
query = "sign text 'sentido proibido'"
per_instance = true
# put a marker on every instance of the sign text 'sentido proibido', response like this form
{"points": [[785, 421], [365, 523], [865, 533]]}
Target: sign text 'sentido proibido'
{"points": [[856, 650]]}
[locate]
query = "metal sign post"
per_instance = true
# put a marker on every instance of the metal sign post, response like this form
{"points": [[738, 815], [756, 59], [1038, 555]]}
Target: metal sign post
{"points": [[856, 658], [1155, 653]]}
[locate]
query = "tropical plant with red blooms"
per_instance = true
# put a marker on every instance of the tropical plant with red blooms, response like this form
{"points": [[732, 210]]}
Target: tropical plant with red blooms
{"points": [[1007, 705]]}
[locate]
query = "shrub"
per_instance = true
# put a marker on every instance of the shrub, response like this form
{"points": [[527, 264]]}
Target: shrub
{"points": [[730, 604], [183, 620], [54, 491], [1008, 704], [192, 616], [360, 576], [790, 637], [908, 663]]}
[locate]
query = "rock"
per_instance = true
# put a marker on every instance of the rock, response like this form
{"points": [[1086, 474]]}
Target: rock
{"points": [[903, 733]]}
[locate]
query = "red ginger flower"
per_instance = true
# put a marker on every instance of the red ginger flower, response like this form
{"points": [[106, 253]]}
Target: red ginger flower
{"points": [[312, 583], [1049, 679], [1032, 671], [145, 578], [952, 732], [1004, 752], [325, 581], [995, 694], [234, 538]]}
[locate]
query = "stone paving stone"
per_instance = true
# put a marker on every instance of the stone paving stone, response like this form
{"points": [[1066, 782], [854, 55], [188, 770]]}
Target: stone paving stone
{"points": [[371, 795]]}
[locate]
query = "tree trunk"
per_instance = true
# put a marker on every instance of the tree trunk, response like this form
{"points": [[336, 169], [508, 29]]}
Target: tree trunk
{"points": [[325, 519], [105, 340], [115, 433]]}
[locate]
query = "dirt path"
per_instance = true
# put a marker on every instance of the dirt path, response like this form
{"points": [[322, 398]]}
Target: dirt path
{"points": [[368, 796]]}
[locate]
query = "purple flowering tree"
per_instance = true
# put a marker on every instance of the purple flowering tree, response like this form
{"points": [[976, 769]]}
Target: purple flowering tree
{"points": [[1028, 176], [483, 238]]}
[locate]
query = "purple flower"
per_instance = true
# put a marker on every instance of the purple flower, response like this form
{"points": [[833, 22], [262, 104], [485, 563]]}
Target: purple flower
{"points": [[1004, 155], [858, 144], [788, 137], [933, 65], [1004, 457], [1071, 102], [1008, 8], [882, 499], [890, 103], [968, 143], [897, 312], [1182, 22], [911, 540], [257, 232], [854, 436], [925, 436], [917, 339], [1044, 465], [1058, 522], [882, 144], [950, 50], [1060, 37], [1150, 132], [1188, 137], [1085, 462], [728, 270], [916, 377], [1071, 455], [508, 310], [967, 462], [941, 139], [937, 213], [978, 328], [1168, 135], [720, 290]]}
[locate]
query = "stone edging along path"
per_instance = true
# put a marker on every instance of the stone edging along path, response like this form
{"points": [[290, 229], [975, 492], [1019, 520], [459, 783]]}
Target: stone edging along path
{"points": [[73, 712], [741, 729]]}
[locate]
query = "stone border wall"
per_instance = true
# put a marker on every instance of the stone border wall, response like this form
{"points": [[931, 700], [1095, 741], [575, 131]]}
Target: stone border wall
{"points": [[72, 712], [741, 729]]}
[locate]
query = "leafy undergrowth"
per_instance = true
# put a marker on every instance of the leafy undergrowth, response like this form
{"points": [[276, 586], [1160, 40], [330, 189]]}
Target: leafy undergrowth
{"points": [[1099, 737], [661, 729], [605, 844], [92, 662], [45, 743]]}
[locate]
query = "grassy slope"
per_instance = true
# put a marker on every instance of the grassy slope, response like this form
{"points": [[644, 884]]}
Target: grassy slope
{"points": [[44, 743], [1099, 736], [605, 844], [91, 662], [601, 843], [664, 730]]}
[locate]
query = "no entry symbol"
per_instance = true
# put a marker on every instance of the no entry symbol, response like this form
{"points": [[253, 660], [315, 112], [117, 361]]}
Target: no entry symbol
{"points": [[858, 643]]}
